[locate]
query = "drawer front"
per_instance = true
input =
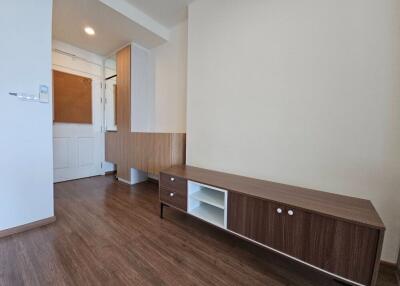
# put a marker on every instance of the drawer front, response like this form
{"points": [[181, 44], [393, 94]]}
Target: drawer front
{"points": [[173, 198], [176, 184]]}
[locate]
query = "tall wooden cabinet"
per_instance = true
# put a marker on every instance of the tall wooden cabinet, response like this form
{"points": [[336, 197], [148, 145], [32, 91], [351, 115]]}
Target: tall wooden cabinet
{"points": [[338, 235]]}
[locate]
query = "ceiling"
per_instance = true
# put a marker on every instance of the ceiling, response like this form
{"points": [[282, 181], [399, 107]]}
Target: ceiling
{"points": [[166, 12], [114, 30]]}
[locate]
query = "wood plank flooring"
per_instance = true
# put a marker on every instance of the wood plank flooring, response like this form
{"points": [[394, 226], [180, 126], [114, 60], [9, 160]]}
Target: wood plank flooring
{"points": [[108, 233]]}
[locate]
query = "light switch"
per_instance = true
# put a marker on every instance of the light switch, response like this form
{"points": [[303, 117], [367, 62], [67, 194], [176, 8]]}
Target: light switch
{"points": [[44, 94]]}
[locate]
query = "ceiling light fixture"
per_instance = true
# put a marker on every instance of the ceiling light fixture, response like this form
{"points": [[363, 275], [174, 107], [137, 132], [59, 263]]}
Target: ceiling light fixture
{"points": [[90, 31]]}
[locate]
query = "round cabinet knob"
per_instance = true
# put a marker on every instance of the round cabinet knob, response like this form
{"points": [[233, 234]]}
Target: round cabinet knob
{"points": [[172, 179], [290, 212], [172, 194], [279, 210]]}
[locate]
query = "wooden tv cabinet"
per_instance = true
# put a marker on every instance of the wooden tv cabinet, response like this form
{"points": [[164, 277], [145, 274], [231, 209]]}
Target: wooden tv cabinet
{"points": [[338, 235]]}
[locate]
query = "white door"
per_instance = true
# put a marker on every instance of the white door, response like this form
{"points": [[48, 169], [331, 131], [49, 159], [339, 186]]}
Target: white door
{"points": [[77, 151], [79, 148]]}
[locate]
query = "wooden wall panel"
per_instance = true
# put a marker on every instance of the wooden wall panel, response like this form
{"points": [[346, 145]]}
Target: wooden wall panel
{"points": [[72, 98], [152, 152], [160, 152], [140, 148], [148, 152], [178, 145]]}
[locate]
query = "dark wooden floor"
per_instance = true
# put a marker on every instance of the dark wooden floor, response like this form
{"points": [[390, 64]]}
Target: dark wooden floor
{"points": [[107, 233]]}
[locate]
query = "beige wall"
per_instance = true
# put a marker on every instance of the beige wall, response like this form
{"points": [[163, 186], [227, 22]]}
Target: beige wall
{"points": [[302, 92], [159, 85], [170, 82]]}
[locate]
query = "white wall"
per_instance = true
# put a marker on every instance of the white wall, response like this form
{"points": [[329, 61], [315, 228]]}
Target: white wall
{"points": [[300, 92], [159, 85], [143, 97], [26, 175]]}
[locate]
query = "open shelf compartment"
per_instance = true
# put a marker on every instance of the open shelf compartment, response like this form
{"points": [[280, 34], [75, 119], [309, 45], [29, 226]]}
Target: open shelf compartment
{"points": [[208, 203]]}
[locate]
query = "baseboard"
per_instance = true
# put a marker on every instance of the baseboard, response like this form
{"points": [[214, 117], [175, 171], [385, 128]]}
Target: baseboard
{"points": [[28, 226], [389, 265], [110, 173], [392, 268], [124, 181]]}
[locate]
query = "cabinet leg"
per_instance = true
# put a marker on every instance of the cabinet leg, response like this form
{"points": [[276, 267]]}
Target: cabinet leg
{"points": [[162, 206], [161, 210]]}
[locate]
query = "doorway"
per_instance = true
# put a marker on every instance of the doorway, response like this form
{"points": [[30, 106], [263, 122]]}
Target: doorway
{"points": [[78, 138]]}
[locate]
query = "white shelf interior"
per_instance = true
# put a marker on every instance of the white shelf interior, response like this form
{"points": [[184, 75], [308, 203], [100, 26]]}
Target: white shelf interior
{"points": [[211, 197], [210, 214], [208, 203]]}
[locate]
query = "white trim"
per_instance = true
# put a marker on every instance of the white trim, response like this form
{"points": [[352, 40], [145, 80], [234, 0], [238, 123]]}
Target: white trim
{"points": [[73, 56], [124, 181], [82, 73]]}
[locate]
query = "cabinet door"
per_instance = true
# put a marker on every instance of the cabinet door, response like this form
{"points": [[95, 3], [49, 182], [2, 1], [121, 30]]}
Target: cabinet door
{"points": [[342, 248], [296, 225], [256, 219]]}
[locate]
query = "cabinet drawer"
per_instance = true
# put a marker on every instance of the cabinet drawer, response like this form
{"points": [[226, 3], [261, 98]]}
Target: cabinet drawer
{"points": [[176, 199], [176, 184]]}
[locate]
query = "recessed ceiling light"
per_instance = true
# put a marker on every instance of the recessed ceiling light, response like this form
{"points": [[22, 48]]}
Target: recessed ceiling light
{"points": [[90, 31]]}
